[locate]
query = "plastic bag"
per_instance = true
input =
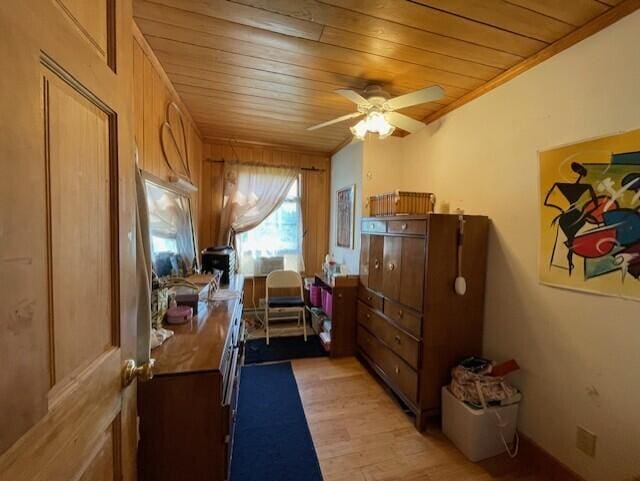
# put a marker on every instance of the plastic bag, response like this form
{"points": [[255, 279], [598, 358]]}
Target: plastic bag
{"points": [[470, 380]]}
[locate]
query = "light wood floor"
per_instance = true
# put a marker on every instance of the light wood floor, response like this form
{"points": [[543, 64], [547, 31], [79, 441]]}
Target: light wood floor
{"points": [[360, 433]]}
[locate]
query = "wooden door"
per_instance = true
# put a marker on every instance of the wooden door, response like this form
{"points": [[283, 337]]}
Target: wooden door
{"points": [[68, 241], [376, 253], [412, 272], [391, 267], [364, 259]]}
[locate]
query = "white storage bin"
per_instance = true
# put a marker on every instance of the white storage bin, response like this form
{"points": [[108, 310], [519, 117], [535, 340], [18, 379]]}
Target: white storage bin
{"points": [[474, 431]]}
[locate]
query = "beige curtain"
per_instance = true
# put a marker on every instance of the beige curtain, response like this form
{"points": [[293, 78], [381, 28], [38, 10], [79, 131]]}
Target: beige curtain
{"points": [[251, 194], [143, 271]]}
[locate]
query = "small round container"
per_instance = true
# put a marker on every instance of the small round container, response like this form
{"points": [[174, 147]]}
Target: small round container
{"points": [[179, 314]]}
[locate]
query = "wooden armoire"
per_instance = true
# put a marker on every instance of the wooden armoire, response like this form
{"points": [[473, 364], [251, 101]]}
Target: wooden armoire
{"points": [[412, 326]]}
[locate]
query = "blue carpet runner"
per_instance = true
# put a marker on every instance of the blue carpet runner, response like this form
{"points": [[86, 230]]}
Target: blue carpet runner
{"points": [[272, 441], [283, 349]]}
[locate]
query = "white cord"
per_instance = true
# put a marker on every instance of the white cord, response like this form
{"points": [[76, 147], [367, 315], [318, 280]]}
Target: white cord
{"points": [[501, 425]]}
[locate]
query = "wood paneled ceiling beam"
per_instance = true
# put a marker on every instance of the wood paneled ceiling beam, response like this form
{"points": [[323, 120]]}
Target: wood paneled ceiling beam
{"points": [[194, 29], [267, 69], [505, 16], [335, 73], [314, 155], [618, 12], [351, 21], [262, 100], [445, 24], [576, 12], [269, 81]]}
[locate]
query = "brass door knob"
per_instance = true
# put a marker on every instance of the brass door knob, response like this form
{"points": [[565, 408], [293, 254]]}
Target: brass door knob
{"points": [[130, 371], [376, 264], [392, 266]]}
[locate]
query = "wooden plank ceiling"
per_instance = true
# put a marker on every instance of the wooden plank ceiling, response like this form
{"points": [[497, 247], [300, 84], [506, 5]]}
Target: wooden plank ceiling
{"points": [[265, 70]]}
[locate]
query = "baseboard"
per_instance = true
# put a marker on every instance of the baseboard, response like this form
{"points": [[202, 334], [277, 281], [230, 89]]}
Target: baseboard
{"points": [[544, 463]]}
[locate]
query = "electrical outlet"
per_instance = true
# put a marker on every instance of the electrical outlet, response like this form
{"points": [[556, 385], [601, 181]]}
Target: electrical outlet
{"points": [[586, 441]]}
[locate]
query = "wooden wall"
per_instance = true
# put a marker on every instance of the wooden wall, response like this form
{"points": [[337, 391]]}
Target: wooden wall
{"points": [[315, 192], [152, 92]]}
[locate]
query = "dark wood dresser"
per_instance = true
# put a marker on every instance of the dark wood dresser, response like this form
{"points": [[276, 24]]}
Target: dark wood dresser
{"points": [[412, 326], [187, 410]]}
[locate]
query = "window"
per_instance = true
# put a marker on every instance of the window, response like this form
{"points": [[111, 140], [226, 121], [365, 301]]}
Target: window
{"points": [[277, 242], [172, 243]]}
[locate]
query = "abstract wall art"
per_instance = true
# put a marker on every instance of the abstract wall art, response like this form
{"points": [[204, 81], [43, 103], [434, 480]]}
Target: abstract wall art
{"points": [[590, 216]]}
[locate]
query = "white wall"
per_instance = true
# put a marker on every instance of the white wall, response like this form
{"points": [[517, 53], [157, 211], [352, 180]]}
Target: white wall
{"points": [[375, 166], [346, 169], [382, 167], [483, 158]]}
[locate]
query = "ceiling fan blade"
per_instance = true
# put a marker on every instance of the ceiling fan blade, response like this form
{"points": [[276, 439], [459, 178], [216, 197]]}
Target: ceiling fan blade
{"points": [[402, 121], [335, 121], [352, 95], [422, 96]]}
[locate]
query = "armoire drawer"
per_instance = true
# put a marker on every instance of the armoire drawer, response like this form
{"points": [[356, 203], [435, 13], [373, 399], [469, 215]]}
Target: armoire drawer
{"points": [[415, 227], [403, 317], [399, 374], [374, 226], [370, 298], [398, 341]]}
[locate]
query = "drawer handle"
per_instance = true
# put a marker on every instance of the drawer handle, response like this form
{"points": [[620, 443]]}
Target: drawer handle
{"points": [[340, 296], [400, 313], [397, 370], [392, 266], [404, 226], [376, 264], [398, 340], [368, 316], [372, 226], [369, 298]]}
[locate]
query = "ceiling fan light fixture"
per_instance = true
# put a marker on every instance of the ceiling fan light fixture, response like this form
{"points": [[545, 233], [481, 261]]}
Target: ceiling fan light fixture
{"points": [[384, 135], [374, 122], [359, 130], [379, 110]]}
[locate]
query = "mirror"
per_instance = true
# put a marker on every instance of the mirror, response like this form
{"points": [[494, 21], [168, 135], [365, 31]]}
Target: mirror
{"points": [[173, 245]]}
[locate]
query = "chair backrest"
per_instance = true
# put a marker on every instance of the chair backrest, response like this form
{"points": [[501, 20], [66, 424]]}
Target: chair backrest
{"points": [[282, 279]]}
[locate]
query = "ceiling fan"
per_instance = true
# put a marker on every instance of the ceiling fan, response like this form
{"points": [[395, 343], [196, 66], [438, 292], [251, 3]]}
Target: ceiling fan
{"points": [[379, 110]]}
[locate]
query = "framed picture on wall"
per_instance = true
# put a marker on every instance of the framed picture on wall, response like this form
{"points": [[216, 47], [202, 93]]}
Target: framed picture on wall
{"points": [[589, 217], [345, 217]]}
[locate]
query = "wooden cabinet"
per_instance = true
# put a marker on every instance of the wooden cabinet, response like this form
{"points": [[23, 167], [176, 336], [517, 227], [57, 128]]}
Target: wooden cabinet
{"points": [[187, 411], [376, 247], [412, 326], [364, 260], [412, 272], [392, 255]]}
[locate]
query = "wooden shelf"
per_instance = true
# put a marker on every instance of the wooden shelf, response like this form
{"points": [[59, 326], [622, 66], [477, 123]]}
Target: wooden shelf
{"points": [[343, 315]]}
